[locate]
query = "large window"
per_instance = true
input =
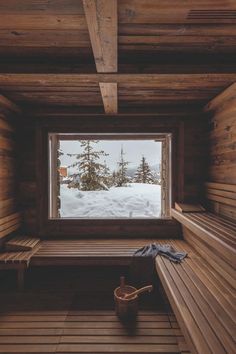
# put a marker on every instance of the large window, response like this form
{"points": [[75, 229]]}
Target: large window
{"points": [[109, 176]]}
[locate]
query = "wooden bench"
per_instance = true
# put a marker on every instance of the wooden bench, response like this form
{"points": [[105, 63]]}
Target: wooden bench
{"points": [[82, 252], [202, 288], [89, 251], [18, 261], [21, 243]]}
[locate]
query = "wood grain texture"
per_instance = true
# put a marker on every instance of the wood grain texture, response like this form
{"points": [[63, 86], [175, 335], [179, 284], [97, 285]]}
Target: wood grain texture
{"points": [[21, 243], [208, 228], [200, 296], [109, 97], [9, 219], [101, 16], [51, 323], [220, 189], [134, 89], [150, 26]]}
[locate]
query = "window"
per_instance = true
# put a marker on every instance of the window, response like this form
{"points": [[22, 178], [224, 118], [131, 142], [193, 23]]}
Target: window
{"points": [[109, 176]]}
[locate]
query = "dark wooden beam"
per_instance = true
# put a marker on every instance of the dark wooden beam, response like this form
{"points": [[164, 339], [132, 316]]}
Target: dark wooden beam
{"points": [[175, 81]]}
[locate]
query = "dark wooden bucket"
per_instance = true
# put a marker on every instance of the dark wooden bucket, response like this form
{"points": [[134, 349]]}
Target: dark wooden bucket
{"points": [[125, 308]]}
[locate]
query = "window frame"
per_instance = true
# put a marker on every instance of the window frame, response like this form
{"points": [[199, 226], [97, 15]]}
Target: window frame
{"points": [[53, 176], [80, 228]]}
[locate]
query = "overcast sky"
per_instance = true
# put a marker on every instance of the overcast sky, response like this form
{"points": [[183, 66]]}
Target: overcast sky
{"points": [[133, 149]]}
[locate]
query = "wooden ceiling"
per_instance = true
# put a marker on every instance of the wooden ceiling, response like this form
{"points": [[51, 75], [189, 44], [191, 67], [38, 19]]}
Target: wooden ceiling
{"points": [[116, 54]]}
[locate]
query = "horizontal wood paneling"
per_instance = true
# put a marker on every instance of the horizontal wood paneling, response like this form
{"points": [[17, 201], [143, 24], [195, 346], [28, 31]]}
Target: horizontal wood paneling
{"points": [[134, 89], [190, 186], [27, 175], [9, 219], [221, 186], [157, 26]]}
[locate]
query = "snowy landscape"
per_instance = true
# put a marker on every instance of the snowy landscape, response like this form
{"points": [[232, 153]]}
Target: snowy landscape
{"points": [[110, 179], [135, 201]]}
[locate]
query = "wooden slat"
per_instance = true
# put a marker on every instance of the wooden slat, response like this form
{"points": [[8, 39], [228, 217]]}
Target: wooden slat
{"points": [[110, 97], [87, 331], [208, 236], [21, 243], [101, 16], [199, 297]]}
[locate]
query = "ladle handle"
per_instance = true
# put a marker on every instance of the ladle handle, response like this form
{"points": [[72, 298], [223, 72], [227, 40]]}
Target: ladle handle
{"points": [[139, 291], [122, 282]]}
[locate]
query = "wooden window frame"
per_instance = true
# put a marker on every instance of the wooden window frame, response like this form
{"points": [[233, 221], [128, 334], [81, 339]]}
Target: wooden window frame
{"points": [[53, 140], [79, 228]]}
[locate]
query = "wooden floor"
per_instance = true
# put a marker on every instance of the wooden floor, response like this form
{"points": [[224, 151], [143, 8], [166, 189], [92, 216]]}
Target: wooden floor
{"points": [[77, 316]]}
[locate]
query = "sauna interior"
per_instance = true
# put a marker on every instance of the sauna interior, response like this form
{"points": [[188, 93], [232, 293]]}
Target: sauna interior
{"points": [[117, 131]]}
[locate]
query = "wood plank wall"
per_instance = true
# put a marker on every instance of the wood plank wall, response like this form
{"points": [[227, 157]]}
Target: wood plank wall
{"points": [[8, 165], [27, 175], [193, 167], [195, 158], [221, 181]]}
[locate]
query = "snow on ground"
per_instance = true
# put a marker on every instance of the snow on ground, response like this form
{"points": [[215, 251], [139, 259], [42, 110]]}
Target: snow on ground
{"points": [[138, 200]]}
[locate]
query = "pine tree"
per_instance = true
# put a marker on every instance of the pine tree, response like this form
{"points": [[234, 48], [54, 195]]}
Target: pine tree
{"points": [[143, 173], [121, 177], [91, 172]]}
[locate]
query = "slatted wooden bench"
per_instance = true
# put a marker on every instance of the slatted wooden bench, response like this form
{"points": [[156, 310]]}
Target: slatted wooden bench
{"points": [[202, 288], [21, 243], [19, 261], [82, 252], [88, 252]]}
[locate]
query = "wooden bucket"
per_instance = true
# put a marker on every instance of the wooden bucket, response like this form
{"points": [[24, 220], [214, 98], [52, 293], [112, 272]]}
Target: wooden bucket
{"points": [[125, 308]]}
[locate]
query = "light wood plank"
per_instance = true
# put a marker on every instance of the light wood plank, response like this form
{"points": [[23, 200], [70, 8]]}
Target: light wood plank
{"points": [[109, 97], [101, 16]]}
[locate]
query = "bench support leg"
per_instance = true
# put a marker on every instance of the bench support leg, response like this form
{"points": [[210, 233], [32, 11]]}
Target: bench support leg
{"points": [[20, 279]]}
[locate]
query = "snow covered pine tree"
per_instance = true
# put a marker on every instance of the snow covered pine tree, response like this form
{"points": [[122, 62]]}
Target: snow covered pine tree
{"points": [[121, 177], [143, 173], [92, 174]]}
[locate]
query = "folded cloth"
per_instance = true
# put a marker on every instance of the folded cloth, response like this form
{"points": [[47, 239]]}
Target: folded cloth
{"points": [[142, 269], [155, 249]]}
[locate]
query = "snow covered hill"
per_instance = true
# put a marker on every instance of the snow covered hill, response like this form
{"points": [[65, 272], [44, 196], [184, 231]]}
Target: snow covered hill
{"points": [[138, 200]]}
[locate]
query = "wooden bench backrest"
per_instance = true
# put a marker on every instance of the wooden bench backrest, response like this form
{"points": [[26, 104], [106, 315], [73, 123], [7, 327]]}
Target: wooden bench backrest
{"points": [[222, 198]]}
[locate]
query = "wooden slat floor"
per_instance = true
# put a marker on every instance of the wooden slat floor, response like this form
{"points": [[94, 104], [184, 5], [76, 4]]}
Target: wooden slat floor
{"points": [[79, 317]]}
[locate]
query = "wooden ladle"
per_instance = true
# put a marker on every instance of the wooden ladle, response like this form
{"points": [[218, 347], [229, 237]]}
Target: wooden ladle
{"points": [[148, 288]]}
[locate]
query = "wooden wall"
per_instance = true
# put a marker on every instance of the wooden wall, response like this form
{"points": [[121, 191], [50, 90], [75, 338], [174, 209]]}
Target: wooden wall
{"points": [[192, 166], [9, 218], [194, 158], [27, 175], [221, 181]]}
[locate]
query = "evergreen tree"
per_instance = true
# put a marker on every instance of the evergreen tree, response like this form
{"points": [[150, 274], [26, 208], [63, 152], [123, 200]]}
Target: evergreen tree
{"points": [[143, 173], [121, 177], [106, 177], [91, 172]]}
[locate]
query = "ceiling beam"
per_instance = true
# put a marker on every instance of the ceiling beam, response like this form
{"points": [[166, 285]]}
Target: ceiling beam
{"points": [[109, 97], [173, 81], [101, 16]]}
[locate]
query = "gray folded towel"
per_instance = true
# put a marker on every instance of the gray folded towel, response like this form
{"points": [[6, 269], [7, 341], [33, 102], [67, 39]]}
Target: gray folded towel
{"points": [[155, 249], [142, 269]]}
